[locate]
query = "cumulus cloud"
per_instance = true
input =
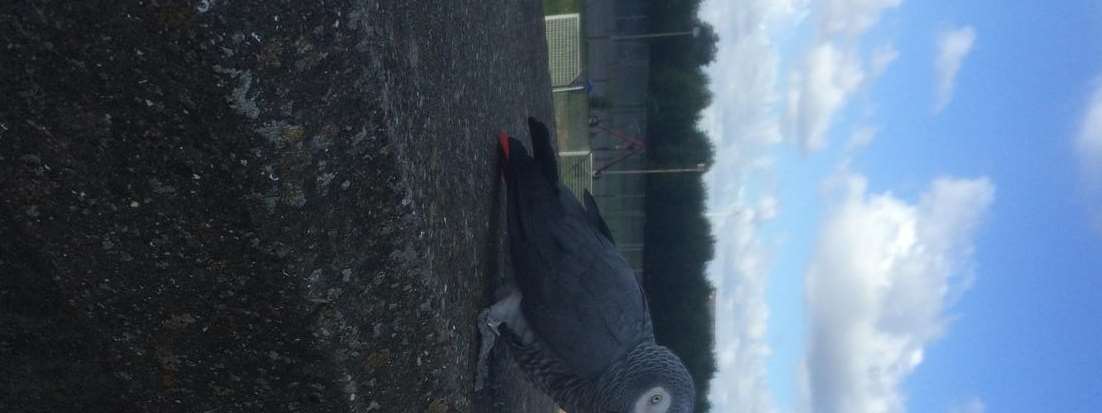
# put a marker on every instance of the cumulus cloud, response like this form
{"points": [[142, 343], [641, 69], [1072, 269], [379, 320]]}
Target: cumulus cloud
{"points": [[754, 108], [877, 288], [832, 70], [974, 405], [743, 122], [742, 350], [828, 79], [852, 17], [953, 46]]}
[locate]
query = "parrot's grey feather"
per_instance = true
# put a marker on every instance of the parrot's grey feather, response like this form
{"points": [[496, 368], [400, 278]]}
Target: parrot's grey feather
{"points": [[550, 374], [582, 330], [580, 295], [595, 216]]}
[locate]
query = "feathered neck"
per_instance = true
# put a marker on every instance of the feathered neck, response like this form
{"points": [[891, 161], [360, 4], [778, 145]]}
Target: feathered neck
{"points": [[645, 365]]}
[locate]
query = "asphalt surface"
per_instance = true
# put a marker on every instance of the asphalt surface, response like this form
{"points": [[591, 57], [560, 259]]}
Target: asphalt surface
{"points": [[222, 206]]}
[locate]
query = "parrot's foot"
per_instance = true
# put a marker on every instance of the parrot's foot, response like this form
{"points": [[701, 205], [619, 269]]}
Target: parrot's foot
{"points": [[487, 329]]}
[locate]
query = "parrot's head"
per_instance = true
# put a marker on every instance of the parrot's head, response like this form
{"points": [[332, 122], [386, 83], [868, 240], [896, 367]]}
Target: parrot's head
{"points": [[654, 380]]}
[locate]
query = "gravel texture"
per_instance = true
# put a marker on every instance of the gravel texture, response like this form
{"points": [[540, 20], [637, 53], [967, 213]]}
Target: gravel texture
{"points": [[223, 205]]}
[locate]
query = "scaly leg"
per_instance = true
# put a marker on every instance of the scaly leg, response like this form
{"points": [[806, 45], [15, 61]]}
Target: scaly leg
{"points": [[506, 311]]}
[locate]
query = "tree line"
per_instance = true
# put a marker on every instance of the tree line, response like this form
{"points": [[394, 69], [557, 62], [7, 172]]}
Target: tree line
{"points": [[679, 241]]}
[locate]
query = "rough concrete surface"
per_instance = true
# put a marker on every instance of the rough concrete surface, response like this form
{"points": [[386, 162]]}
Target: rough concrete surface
{"points": [[240, 206]]}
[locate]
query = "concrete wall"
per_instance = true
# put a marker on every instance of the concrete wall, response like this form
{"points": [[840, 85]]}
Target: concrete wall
{"points": [[243, 206]]}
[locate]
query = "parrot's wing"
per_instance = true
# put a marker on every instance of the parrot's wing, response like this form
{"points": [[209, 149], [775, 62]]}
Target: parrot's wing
{"points": [[580, 295]]}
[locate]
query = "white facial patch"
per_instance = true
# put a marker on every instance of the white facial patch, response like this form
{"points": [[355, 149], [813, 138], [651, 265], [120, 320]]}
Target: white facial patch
{"points": [[654, 400]]}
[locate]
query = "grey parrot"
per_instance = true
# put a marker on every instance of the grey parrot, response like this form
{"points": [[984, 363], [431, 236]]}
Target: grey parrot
{"points": [[577, 321]]}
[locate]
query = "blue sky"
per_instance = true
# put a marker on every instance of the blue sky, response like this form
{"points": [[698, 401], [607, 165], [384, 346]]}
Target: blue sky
{"points": [[907, 202]]}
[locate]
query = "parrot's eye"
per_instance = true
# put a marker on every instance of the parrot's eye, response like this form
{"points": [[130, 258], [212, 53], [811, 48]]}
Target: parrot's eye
{"points": [[656, 399]]}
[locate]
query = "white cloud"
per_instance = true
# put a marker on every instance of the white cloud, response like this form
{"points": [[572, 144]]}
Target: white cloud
{"points": [[861, 137], [739, 274], [768, 207], [828, 79], [1090, 130], [1089, 147], [974, 405], [743, 122], [882, 57], [832, 70], [953, 47], [852, 17], [746, 120], [883, 273]]}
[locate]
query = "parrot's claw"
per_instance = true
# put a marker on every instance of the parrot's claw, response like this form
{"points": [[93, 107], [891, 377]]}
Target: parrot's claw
{"points": [[487, 329]]}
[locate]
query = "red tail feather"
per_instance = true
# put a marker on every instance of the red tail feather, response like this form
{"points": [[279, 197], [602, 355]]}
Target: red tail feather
{"points": [[503, 140]]}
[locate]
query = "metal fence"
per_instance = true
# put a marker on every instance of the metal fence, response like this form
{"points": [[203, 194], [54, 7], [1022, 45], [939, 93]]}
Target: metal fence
{"points": [[564, 39], [576, 171]]}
